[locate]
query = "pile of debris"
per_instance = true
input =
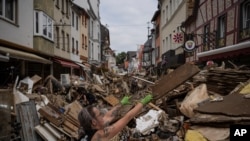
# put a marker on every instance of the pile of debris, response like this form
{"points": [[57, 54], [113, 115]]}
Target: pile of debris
{"points": [[189, 104]]}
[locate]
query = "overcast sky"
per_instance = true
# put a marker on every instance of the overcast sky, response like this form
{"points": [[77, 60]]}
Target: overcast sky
{"points": [[127, 21]]}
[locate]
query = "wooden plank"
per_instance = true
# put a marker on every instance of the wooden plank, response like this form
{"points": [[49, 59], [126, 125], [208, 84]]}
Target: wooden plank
{"points": [[70, 125], [27, 116], [73, 109], [51, 115], [45, 134], [72, 133], [112, 100], [53, 131], [6, 102], [234, 105], [59, 128], [174, 79]]}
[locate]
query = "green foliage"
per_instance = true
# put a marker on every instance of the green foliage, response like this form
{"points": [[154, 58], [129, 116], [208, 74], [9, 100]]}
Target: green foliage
{"points": [[120, 58]]}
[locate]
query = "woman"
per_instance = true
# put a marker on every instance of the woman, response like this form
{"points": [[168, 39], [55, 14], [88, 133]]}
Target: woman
{"points": [[97, 125]]}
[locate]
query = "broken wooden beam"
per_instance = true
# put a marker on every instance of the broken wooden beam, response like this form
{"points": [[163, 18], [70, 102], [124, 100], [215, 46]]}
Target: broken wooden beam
{"points": [[174, 79]]}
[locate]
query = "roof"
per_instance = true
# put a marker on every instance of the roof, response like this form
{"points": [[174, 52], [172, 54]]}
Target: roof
{"points": [[131, 54], [156, 14], [148, 45]]}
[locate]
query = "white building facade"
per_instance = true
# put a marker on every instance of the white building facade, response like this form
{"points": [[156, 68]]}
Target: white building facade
{"points": [[173, 13], [16, 24], [94, 32]]}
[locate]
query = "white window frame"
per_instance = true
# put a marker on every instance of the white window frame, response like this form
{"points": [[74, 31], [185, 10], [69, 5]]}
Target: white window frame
{"points": [[3, 11], [246, 15], [45, 25], [222, 25]]}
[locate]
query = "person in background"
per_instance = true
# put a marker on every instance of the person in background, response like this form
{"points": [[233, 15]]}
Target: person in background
{"points": [[97, 125]]}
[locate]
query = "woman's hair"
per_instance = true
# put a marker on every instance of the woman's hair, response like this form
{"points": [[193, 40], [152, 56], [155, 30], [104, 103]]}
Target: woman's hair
{"points": [[86, 116]]}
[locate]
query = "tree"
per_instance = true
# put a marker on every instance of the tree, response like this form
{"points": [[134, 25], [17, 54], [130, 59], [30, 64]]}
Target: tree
{"points": [[120, 58]]}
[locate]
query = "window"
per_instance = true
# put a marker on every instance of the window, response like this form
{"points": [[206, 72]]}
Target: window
{"points": [[221, 30], [43, 25], [157, 33], [99, 55], [83, 19], [86, 43], [76, 22], [1, 7], [170, 41], [170, 11], [68, 42], [92, 50], [57, 3], [63, 6], [8, 9], [63, 38], [146, 56], [246, 16], [77, 47], [206, 38], [245, 20], [164, 16], [91, 29], [73, 19], [67, 7], [86, 20], [36, 23], [73, 42], [164, 46], [83, 41], [57, 38], [49, 28]]}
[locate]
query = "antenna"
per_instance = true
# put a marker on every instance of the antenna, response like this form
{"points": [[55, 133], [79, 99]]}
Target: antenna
{"points": [[148, 28]]}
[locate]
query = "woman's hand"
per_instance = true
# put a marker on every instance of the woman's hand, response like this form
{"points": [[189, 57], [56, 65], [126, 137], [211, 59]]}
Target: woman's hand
{"points": [[125, 100], [146, 99]]}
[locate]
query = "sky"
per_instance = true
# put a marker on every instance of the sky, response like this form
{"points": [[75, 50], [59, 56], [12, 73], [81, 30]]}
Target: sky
{"points": [[127, 21]]}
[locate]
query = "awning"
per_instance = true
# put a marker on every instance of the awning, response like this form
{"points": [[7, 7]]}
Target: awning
{"points": [[83, 66], [24, 55], [67, 63], [228, 51]]}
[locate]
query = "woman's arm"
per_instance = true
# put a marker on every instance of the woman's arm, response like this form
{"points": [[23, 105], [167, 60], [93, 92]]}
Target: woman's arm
{"points": [[114, 111], [112, 114], [110, 131]]}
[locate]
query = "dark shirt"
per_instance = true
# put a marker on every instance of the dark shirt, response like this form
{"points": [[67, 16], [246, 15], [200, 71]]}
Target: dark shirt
{"points": [[89, 134]]}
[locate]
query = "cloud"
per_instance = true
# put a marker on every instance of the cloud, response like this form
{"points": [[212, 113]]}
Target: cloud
{"points": [[127, 22]]}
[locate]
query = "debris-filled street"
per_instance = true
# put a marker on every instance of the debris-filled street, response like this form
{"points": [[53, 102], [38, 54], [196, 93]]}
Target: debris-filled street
{"points": [[188, 104], [124, 70]]}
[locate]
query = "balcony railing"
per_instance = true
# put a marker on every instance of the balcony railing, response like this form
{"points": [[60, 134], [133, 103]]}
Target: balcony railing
{"points": [[221, 42], [245, 33]]}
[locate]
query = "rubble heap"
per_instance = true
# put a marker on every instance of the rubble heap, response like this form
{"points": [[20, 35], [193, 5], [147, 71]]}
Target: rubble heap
{"points": [[188, 104]]}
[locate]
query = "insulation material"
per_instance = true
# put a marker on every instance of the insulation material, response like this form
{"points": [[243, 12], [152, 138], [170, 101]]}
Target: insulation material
{"points": [[191, 101], [98, 79], [193, 135], [213, 133], [20, 97], [146, 123], [246, 89]]}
